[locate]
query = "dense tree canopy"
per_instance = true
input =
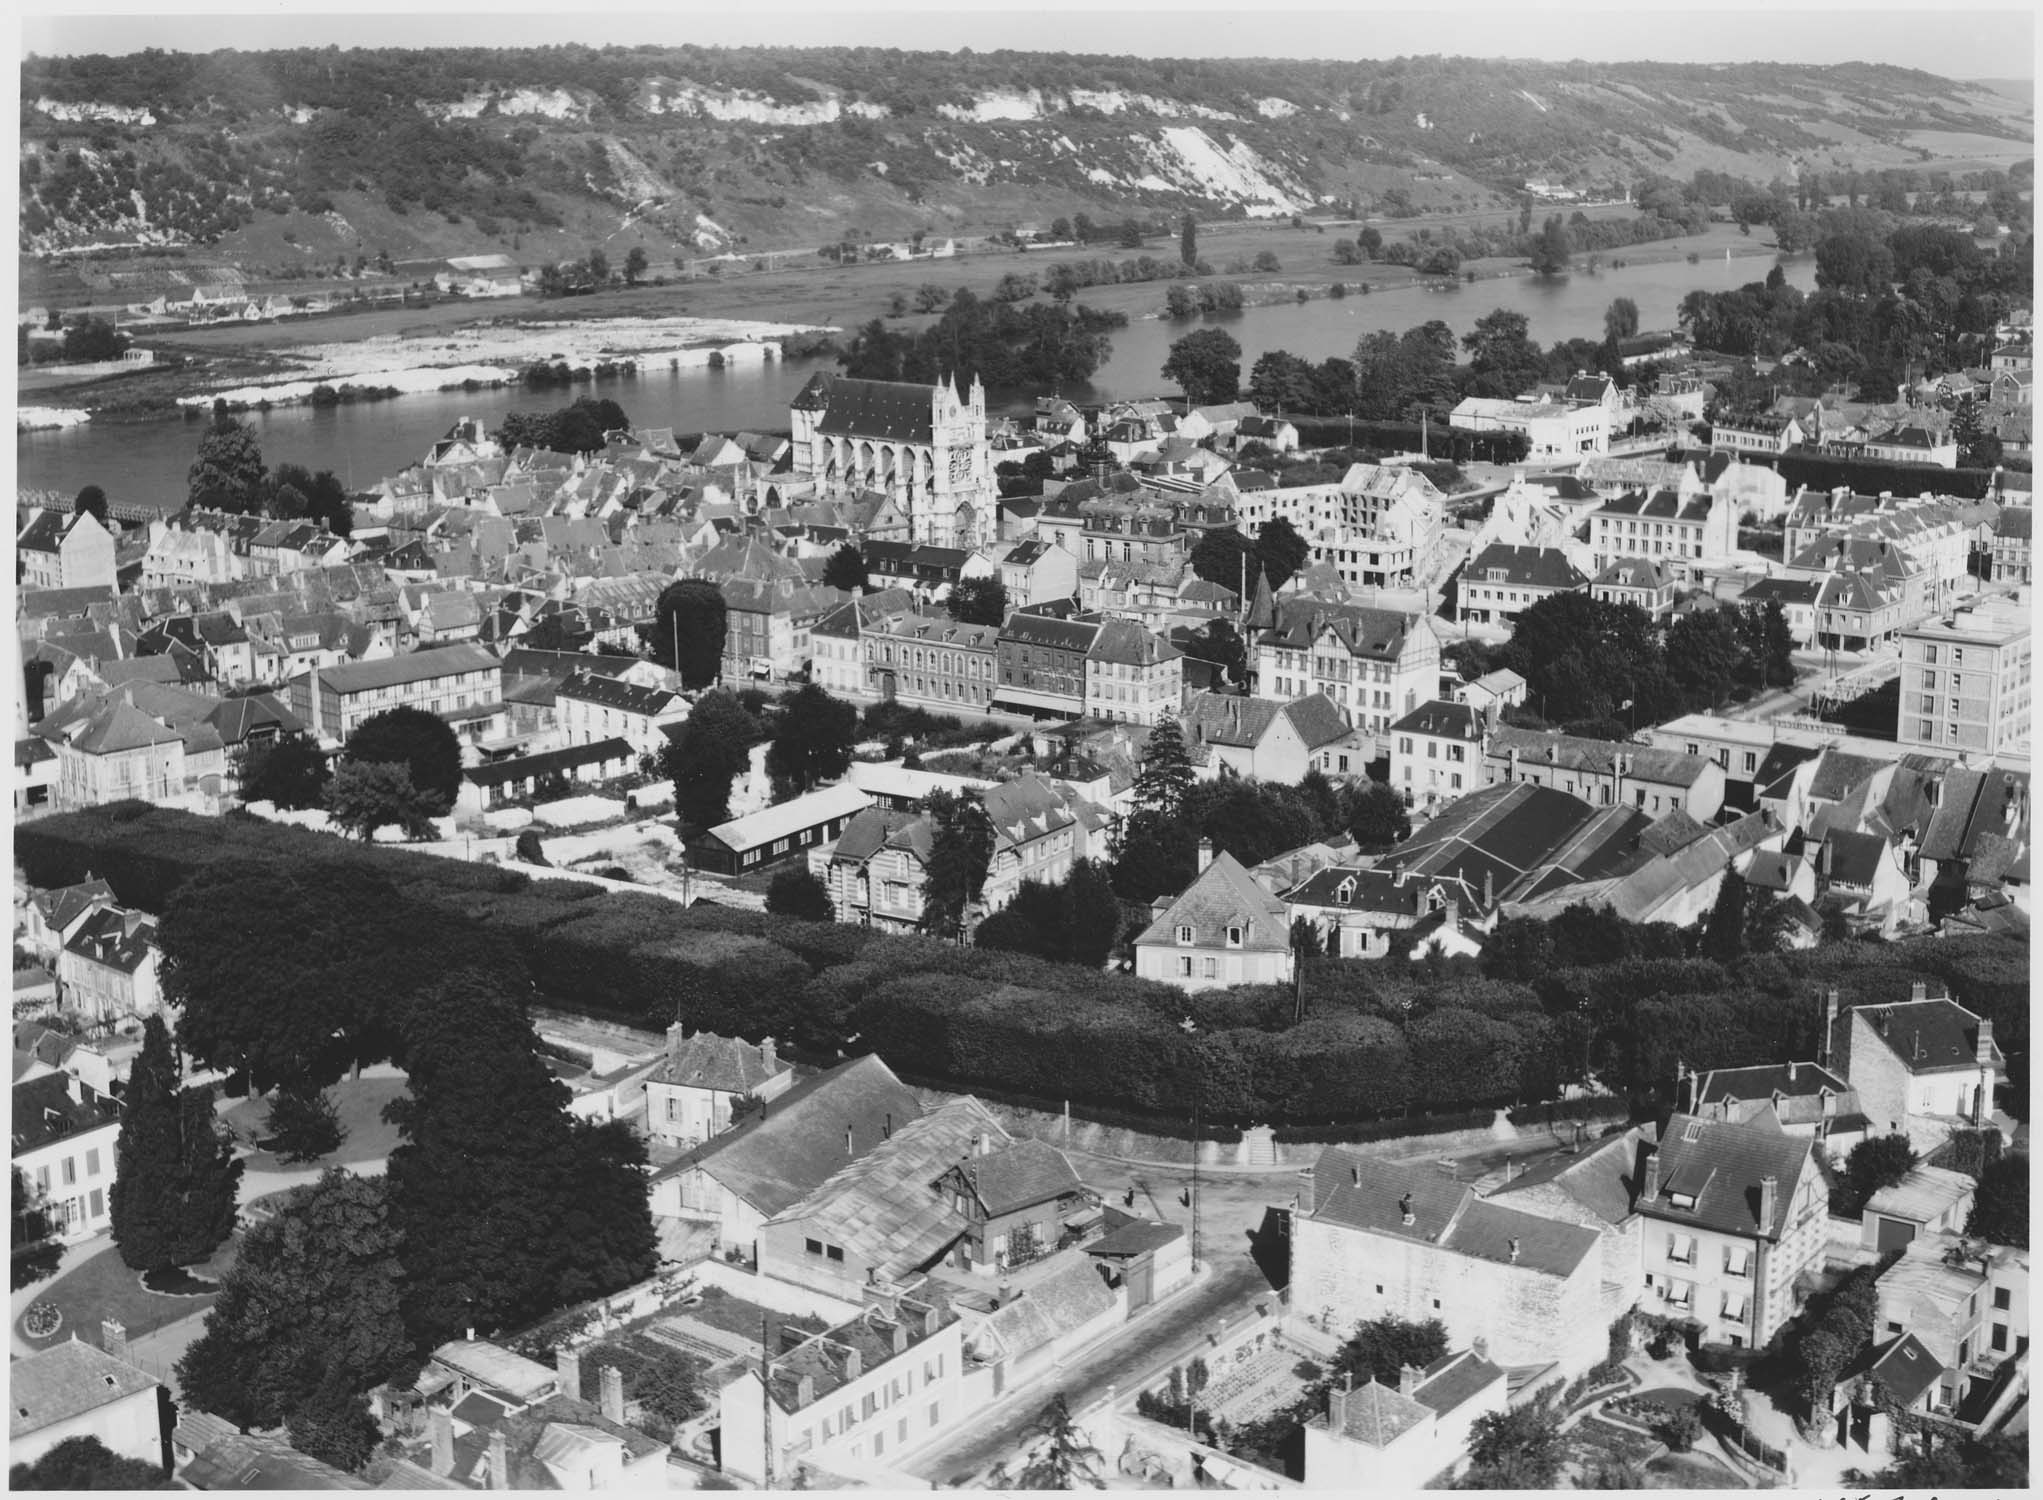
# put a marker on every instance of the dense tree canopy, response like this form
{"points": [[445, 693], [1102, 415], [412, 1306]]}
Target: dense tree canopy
{"points": [[812, 738], [228, 473], [175, 1176], [713, 746], [422, 742], [312, 1297], [1005, 344], [364, 796], [579, 428], [1207, 365], [978, 601], [288, 772], [689, 623], [85, 1463]]}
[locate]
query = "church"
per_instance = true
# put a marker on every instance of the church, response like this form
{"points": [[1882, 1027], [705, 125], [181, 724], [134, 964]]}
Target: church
{"points": [[922, 446]]}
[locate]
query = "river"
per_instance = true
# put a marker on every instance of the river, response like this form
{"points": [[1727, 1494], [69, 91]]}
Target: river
{"points": [[145, 462]]}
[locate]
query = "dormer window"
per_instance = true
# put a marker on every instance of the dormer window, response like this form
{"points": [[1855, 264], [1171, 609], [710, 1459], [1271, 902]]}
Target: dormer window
{"points": [[1234, 937], [1345, 892], [1185, 937]]}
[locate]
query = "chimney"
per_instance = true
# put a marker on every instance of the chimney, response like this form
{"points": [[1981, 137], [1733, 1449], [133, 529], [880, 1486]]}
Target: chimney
{"points": [[805, 1391], [499, 1461], [1823, 866], [849, 1148], [900, 1338], [1205, 854], [442, 1428], [769, 1055], [1404, 1208], [567, 1363], [1514, 1250], [1769, 1191], [854, 1364], [1489, 890], [1650, 1168], [1794, 1070], [932, 1319], [1918, 990], [1829, 1024], [982, 1144], [113, 1334], [1482, 1348], [613, 1393], [676, 1035], [1337, 1405], [1305, 1194], [1985, 1056], [1408, 1380]]}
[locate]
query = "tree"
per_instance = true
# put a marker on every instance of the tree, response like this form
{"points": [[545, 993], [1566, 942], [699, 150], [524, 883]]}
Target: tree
{"points": [[335, 1426], [90, 340], [1378, 1349], [812, 739], [796, 892], [689, 624], [365, 795], [1207, 365], [1226, 557], [507, 1207], [1348, 253], [174, 1176], [599, 268], [287, 772], [1266, 261], [1188, 241], [85, 1463], [1166, 770], [1131, 235], [1550, 252], [1724, 936], [978, 601], [2000, 1208], [228, 473], [91, 502], [1156, 853], [961, 848], [1281, 550], [1377, 815], [321, 498], [419, 741], [1704, 656], [309, 1314], [846, 570], [35, 1253], [1878, 1161], [303, 1124], [1221, 644], [713, 746], [634, 264], [1518, 1449], [1621, 319], [1063, 1458]]}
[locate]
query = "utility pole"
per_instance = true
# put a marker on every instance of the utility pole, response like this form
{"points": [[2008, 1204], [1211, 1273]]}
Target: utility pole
{"points": [[765, 1407]]}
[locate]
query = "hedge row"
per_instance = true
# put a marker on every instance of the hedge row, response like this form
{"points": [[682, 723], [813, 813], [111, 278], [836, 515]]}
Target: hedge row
{"points": [[1867, 476], [1380, 1043], [1384, 1130]]}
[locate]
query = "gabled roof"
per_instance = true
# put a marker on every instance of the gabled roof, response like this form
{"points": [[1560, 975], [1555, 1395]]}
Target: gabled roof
{"points": [[66, 1381], [399, 671], [775, 1160], [1855, 857], [44, 1111], [1925, 1195], [788, 818], [1019, 1175], [1224, 895], [1369, 1193], [1720, 1164], [893, 410], [114, 939], [884, 1206], [1597, 757], [1378, 1415], [1906, 1369]]}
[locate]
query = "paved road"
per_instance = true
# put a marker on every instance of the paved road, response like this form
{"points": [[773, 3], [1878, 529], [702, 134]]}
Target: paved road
{"points": [[1160, 1338]]}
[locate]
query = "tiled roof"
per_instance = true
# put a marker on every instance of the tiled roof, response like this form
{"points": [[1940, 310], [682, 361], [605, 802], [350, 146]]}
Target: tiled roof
{"points": [[546, 762], [1597, 757], [1058, 1304], [884, 1205], [1633, 573], [1019, 1176], [879, 828], [1369, 1193], [1768, 1081], [1317, 720], [1906, 1368], [1378, 1415], [1026, 629], [1224, 895], [1223, 719], [1720, 1164], [114, 939], [1453, 1379], [609, 692], [774, 1161], [726, 1064], [398, 671], [66, 1381], [1458, 721], [1515, 835], [1928, 1035], [891, 409], [1126, 641]]}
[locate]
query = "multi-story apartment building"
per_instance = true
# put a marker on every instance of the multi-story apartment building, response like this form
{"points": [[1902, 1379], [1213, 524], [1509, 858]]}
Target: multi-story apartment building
{"points": [[930, 661], [591, 707], [1966, 679], [1604, 773], [1132, 675], [1922, 1068], [1041, 660], [462, 684], [1436, 752], [2012, 547], [1686, 531], [1373, 664], [1501, 581], [1378, 528], [64, 1152], [1734, 1215], [107, 969], [60, 551]]}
